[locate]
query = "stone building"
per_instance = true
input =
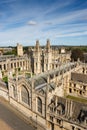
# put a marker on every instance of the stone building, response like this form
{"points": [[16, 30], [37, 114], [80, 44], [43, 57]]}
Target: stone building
{"points": [[47, 58], [14, 62], [48, 99], [37, 61], [78, 85], [66, 114], [45, 98], [19, 49], [34, 97]]}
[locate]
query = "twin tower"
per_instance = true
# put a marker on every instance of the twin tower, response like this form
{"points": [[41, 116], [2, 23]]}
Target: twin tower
{"points": [[42, 58]]}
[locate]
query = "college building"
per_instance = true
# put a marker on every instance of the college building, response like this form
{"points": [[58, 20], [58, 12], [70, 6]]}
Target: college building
{"points": [[55, 97]]}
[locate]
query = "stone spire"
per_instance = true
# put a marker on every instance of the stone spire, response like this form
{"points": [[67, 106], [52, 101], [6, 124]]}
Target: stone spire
{"points": [[37, 45], [48, 45]]}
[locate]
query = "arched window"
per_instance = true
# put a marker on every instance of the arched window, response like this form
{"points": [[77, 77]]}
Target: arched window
{"points": [[39, 105], [25, 95]]}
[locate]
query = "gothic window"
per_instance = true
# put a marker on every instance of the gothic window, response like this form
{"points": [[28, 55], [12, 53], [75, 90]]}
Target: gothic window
{"points": [[17, 64], [4, 67], [36, 65], [83, 70], [80, 92], [0, 67], [11, 65], [51, 118], [14, 64], [70, 90], [39, 105], [20, 63], [84, 87], [74, 85], [25, 95], [46, 67], [23, 63]]}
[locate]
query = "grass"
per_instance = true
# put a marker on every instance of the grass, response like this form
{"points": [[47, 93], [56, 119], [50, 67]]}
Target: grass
{"points": [[82, 100], [5, 79]]}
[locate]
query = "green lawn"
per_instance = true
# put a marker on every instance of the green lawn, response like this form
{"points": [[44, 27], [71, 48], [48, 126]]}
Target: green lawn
{"points": [[5, 79], [77, 99]]}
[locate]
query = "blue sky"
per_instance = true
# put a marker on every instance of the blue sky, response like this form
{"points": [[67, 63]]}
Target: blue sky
{"points": [[64, 22]]}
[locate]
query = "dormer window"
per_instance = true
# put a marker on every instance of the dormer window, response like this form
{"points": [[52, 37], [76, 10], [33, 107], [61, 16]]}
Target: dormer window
{"points": [[59, 121]]}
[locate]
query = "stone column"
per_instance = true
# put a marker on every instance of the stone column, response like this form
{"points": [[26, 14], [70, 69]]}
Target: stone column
{"points": [[27, 65], [71, 108]]}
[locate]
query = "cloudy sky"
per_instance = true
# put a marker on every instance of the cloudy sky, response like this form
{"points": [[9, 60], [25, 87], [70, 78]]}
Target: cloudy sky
{"points": [[64, 22]]}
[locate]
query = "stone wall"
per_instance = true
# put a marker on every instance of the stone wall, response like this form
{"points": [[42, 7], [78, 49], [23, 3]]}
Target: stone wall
{"points": [[4, 90]]}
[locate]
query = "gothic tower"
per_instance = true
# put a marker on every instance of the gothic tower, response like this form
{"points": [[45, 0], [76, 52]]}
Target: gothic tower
{"points": [[37, 58], [47, 57], [19, 49]]}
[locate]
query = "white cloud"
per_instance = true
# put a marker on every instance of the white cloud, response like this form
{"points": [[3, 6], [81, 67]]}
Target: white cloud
{"points": [[72, 34], [32, 23]]}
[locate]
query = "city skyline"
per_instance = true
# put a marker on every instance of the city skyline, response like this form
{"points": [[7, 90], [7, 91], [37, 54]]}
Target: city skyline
{"points": [[25, 21]]}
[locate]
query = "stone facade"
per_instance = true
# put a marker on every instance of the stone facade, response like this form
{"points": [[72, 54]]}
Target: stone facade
{"points": [[45, 96], [47, 58], [78, 85], [11, 62], [19, 49], [37, 61], [48, 98], [65, 114]]}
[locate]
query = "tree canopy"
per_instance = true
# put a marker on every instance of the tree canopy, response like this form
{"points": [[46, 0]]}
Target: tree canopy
{"points": [[77, 54]]}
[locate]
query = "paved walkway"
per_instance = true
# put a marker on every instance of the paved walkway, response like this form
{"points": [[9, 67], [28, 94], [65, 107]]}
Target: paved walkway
{"points": [[10, 119]]}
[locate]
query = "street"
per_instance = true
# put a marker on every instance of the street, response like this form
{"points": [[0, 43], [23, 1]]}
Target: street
{"points": [[9, 120]]}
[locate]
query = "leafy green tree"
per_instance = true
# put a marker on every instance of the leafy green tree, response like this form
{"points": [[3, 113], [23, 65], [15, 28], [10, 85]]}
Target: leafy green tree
{"points": [[77, 54], [13, 52]]}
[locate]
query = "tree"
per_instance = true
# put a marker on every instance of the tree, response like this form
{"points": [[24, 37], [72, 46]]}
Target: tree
{"points": [[77, 54], [13, 52]]}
